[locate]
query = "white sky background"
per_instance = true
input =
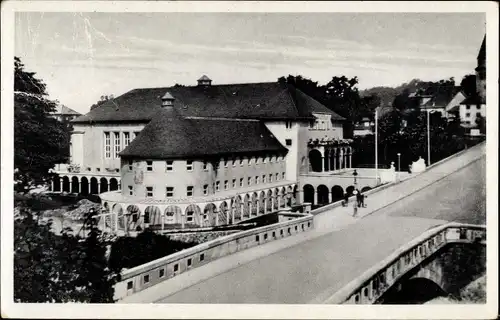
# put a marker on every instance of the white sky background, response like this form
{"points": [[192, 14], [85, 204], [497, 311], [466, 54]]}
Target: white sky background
{"points": [[81, 56]]}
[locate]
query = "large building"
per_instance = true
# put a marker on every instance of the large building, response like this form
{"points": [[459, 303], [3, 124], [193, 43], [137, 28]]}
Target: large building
{"points": [[204, 155]]}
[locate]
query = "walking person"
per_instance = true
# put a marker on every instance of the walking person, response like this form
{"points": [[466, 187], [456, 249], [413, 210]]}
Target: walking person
{"points": [[358, 198], [355, 204], [346, 200]]}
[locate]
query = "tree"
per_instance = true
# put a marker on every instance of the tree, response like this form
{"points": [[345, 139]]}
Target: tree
{"points": [[59, 268], [40, 141], [468, 85], [101, 101]]}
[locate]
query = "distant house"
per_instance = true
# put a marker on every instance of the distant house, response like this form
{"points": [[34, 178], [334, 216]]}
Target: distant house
{"points": [[470, 110], [453, 107], [63, 113], [437, 102], [364, 127]]}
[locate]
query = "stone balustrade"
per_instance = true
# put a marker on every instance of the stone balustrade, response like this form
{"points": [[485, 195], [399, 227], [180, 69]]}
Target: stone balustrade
{"points": [[144, 276], [371, 285]]}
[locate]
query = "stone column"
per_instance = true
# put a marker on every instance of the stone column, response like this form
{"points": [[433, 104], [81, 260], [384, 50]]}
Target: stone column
{"points": [[216, 217], [61, 185], [52, 185], [350, 160], [315, 196], [233, 209], [116, 222], [322, 164], [162, 220], [335, 160], [182, 219], [99, 187]]}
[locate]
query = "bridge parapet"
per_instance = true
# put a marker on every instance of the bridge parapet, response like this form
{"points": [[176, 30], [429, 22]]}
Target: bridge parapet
{"points": [[371, 285], [149, 274]]}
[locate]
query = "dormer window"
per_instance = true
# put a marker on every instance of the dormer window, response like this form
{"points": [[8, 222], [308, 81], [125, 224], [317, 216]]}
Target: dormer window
{"points": [[167, 100], [204, 81]]}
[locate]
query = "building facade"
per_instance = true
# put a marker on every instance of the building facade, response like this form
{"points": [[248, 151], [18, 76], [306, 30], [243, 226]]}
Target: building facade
{"points": [[204, 155]]}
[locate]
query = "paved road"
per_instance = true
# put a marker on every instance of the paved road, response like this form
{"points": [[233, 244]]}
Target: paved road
{"points": [[308, 271]]}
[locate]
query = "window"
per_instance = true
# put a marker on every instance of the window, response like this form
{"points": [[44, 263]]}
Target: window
{"points": [[205, 165], [264, 160], [241, 162], [467, 107], [170, 165], [250, 160], [241, 182], [136, 134], [226, 184], [146, 278], [189, 165], [288, 124], [257, 160], [149, 192], [130, 191], [478, 114], [225, 162], [149, 165], [234, 183], [283, 176], [256, 179], [217, 186], [264, 178], [176, 267], [270, 177], [130, 163], [170, 192], [205, 189], [288, 142], [161, 273], [249, 181], [189, 262], [117, 144], [234, 162], [130, 285], [190, 216], [126, 139], [202, 257], [107, 145], [277, 176], [467, 115], [189, 191]]}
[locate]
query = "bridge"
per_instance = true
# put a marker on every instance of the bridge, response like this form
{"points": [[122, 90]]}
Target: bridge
{"points": [[331, 251]]}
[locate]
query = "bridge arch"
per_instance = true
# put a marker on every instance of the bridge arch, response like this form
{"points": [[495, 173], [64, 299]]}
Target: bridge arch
{"points": [[413, 291]]}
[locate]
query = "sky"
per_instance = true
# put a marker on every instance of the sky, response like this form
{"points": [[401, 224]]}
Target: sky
{"points": [[82, 56]]}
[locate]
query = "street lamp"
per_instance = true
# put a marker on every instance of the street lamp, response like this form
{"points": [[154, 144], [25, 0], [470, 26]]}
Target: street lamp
{"points": [[399, 164], [428, 138], [355, 174]]}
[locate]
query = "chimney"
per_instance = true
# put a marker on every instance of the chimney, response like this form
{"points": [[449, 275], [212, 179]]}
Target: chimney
{"points": [[204, 81], [167, 101]]}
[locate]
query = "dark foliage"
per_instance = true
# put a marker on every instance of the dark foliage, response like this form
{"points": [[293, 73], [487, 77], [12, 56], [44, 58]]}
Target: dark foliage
{"points": [[128, 252], [468, 85], [59, 268], [40, 141]]}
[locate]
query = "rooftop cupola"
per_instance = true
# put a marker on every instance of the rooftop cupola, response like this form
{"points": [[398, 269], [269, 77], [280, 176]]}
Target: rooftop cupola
{"points": [[204, 81], [167, 100]]}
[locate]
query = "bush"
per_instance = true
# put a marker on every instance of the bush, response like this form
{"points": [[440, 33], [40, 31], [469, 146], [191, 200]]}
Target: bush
{"points": [[129, 252]]}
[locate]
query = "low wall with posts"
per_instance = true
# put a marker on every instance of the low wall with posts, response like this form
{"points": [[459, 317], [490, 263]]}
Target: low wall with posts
{"points": [[371, 285], [144, 276]]}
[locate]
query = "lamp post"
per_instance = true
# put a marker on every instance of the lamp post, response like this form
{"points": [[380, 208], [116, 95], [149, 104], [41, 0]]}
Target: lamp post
{"points": [[428, 139], [399, 164], [355, 174], [376, 147]]}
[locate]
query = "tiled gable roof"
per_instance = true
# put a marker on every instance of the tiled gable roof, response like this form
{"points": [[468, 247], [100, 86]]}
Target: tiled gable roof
{"points": [[442, 97], [63, 110], [170, 135], [270, 100]]}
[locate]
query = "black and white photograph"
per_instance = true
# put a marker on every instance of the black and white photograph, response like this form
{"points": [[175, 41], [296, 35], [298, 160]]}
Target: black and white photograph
{"points": [[249, 159]]}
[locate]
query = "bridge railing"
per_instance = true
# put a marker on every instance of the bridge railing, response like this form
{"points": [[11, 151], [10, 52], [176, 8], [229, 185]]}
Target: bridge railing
{"points": [[146, 275], [371, 285]]}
